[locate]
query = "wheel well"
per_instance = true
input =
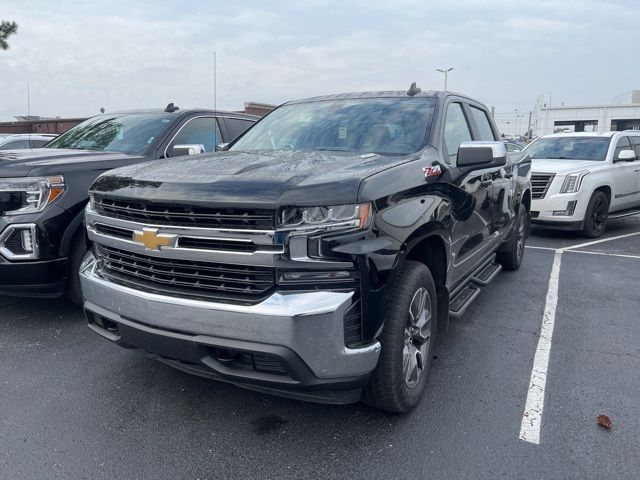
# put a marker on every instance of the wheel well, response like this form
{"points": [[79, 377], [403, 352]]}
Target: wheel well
{"points": [[431, 251], [606, 190]]}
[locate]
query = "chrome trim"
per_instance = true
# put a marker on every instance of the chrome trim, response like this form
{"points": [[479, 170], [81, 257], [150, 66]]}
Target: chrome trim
{"points": [[310, 323], [8, 254], [257, 258]]}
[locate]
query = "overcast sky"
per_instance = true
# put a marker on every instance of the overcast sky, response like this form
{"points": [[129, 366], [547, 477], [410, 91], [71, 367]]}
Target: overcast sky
{"points": [[79, 56]]}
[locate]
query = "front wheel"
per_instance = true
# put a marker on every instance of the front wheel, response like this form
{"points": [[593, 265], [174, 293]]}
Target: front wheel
{"points": [[407, 341], [595, 219]]}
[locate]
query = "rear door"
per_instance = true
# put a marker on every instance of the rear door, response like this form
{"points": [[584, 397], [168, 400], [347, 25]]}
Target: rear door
{"points": [[625, 177], [470, 237]]}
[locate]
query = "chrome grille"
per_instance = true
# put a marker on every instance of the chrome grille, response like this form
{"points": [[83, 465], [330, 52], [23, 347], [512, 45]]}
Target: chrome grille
{"points": [[540, 183], [196, 279], [185, 215]]}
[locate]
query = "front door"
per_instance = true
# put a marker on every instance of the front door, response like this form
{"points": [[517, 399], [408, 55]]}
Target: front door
{"points": [[625, 177]]}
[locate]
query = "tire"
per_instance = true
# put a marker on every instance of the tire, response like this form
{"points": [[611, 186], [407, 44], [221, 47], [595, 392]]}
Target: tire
{"points": [[510, 256], [77, 250], [595, 219], [398, 382]]}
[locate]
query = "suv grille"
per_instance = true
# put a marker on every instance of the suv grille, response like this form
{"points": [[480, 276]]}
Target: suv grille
{"points": [[185, 216], [540, 184], [202, 280]]}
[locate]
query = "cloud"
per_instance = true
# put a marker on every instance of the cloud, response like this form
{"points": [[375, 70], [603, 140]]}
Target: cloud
{"points": [[79, 57]]}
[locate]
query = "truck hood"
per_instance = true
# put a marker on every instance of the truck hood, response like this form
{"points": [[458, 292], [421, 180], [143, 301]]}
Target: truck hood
{"points": [[45, 161], [256, 178], [562, 167]]}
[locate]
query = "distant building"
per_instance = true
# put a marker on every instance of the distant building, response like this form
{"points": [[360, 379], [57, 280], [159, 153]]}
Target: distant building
{"points": [[623, 113], [37, 124], [260, 109]]}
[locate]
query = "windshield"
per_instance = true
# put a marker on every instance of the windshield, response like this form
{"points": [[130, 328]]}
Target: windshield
{"points": [[390, 126], [129, 133], [570, 148]]}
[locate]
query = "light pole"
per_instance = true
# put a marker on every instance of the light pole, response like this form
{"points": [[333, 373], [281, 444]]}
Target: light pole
{"points": [[516, 132], [445, 71]]}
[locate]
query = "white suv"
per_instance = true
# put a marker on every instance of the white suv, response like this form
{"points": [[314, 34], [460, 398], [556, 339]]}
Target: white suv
{"points": [[580, 179]]}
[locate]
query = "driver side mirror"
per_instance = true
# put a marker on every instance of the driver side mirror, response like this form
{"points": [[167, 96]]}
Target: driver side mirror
{"points": [[626, 156], [481, 154], [221, 147], [187, 149]]}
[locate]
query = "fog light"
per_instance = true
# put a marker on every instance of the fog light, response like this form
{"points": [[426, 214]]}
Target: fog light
{"points": [[27, 241], [571, 207]]}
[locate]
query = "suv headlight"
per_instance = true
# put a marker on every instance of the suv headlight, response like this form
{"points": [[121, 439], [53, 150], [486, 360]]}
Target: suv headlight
{"points": [[331, 217], [573, 182], [30, 194]]}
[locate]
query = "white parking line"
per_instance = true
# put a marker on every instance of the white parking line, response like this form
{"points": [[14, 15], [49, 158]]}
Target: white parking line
{"points": [[588, 244], [622, 255], [534, 406], [532, 416]]}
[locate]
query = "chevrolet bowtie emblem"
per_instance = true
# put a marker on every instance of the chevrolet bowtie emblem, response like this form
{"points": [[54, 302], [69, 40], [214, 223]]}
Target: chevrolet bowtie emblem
{"points": [[152, 240]]}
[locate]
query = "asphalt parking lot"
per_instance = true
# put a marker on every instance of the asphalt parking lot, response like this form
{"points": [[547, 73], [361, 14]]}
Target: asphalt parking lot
{"points": [[75, 406]]}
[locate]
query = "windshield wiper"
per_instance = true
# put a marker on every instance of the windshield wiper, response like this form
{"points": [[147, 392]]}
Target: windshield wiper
{"points": [[332, 149]]}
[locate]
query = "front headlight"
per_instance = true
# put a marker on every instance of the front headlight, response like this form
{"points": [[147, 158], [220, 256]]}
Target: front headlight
{"points": [[573, 182], [331, 217], [30, 194]]}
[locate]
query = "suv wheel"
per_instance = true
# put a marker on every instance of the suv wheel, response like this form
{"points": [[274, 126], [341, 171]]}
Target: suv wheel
{"points": [[595, 220], [511, 257], [407, 340]]}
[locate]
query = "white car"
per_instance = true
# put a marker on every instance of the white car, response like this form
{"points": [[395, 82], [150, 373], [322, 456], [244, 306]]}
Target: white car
{"points": [[579, 180], [25, 140]]}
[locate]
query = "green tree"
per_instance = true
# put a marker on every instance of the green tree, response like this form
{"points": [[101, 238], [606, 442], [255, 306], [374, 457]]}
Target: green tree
{"points": [[6, 29]]}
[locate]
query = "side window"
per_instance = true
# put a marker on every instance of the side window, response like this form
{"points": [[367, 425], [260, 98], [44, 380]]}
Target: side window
{"points": [[198, 131], [237, 126], [635, 141], [15, 145], [482, 121], [623, 144], [456, 130], [38, 143]]}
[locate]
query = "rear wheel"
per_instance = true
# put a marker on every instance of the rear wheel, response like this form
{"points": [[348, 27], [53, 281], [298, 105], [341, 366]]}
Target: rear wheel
{"points": [[595, 219], [400, 378], [511, 257]]}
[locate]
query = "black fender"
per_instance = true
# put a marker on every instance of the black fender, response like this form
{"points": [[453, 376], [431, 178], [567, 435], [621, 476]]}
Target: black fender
{"points": [[70, 231]]}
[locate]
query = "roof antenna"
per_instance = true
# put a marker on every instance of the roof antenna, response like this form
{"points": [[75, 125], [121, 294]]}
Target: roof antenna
{"points": [[171, 108], [413, 90]]}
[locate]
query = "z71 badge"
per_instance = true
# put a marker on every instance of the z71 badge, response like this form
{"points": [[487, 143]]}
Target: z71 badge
{"points": [[432, 171]]}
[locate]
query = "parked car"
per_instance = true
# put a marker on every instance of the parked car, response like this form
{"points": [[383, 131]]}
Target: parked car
{"points": [[580, 180], [43, 192], [25, 140], [514, 147], [316, 258]]}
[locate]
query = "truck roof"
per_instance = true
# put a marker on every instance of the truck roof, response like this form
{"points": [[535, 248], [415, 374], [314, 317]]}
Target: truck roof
{"points": [[182, 112], [383, 94]]}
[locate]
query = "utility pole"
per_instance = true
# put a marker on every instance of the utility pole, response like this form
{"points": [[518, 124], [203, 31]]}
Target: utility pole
{"points": [[28, 102], [446, 72], [516, 132], [493, 112], [529, 127], [215, 97]]}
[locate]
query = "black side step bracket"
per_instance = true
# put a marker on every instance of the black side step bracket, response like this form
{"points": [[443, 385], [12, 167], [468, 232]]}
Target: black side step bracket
{"points": [[465, 295], [463, 299]]}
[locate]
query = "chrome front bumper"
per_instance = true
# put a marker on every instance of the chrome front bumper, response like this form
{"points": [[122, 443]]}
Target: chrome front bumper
{"points": [[310, 324]]}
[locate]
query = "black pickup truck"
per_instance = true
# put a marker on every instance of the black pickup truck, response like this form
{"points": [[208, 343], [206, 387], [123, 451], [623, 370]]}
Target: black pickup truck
{"points": [[43, 192], [319, 255]]}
